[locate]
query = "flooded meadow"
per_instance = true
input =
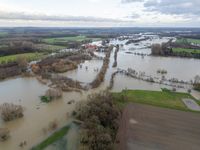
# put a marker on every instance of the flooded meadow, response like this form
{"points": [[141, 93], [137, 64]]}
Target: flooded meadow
{"points": [[26, 91]]}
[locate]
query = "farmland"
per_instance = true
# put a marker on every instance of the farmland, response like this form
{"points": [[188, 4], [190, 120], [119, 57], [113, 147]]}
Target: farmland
{"points": [[166, 99], [185, 50], [68, 39], [145, 127], [2, 34], [28, 56], [188, 40]]}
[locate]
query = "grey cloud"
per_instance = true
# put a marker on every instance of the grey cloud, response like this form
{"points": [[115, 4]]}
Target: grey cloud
{"points": [[41, 17], [175, 7]]}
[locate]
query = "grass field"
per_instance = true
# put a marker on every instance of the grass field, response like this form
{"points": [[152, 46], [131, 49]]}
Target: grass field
{"points": [[181, 41], [166, 99], [179, 50], [3, 46], [195, 41], [28, 56], [187, 40], [2, 34], [66, 39], [54, 137], [49, 48]]}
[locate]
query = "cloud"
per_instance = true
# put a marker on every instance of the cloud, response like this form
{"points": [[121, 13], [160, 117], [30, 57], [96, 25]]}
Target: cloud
{"points": [[175, 7], [133, 16], [170, 7], [131, 1], [42, 17]]}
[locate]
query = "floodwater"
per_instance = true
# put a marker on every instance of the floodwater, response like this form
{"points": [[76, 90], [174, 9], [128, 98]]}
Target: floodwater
{"points": [[37, 115], [86, 71]]}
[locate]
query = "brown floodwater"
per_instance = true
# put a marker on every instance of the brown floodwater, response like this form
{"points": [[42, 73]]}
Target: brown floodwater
{"points": [[37, 115]]}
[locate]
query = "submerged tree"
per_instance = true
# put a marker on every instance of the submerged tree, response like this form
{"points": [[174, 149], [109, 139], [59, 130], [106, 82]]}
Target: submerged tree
{"points": [[10, 111], [4, 134], [197, 83]]}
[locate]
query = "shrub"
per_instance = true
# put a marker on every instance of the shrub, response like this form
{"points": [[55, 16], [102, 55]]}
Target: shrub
{"points": [[45, 99], [4, 134], [10, 111], [174, 89], [196, 84], [53, 93]]}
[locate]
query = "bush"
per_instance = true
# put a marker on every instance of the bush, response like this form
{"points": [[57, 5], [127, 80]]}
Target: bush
{"points": [[100, 117], [45, 99], [10, 111], [196, 84], [53, 93], [4, 134]]}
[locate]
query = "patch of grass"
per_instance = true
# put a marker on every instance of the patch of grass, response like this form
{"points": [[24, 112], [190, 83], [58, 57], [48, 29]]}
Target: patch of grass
{"points": [[13, 58], [53, 138], [45, 99], [166, 99], [67, 39], [185, 50], [195, 41]]}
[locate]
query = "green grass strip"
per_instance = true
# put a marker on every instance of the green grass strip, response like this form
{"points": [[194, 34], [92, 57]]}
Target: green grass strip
{"points": [[165, 99], [53, 138]]}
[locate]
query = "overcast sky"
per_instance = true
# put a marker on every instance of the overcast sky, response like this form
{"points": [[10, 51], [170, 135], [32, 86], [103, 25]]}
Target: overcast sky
{"points": [[100, 13]]}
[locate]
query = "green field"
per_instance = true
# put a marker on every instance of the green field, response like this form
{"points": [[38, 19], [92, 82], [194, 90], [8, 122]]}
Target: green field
{"points": [[67, 39], [188, 40], [196, 41], [3, 46], [185, 50], [166, 99], [28, 56], [2, 34], [53, 138], [49, 48], [182, 41]]}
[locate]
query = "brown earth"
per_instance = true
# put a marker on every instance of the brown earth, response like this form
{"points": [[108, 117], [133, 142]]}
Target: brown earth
{"points": [[146, 127]]}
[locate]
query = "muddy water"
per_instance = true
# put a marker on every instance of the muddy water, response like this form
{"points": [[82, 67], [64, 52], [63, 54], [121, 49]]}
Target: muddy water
{"points": [[37, 115], [181, 68], [86, 71]]}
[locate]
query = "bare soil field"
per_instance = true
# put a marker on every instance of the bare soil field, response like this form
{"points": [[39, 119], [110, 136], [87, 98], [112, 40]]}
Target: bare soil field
{"points": [[145, 127]]}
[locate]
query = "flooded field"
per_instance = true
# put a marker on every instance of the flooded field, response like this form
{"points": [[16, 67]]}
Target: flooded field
{"points": [[86, 71], [27, 91]]}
